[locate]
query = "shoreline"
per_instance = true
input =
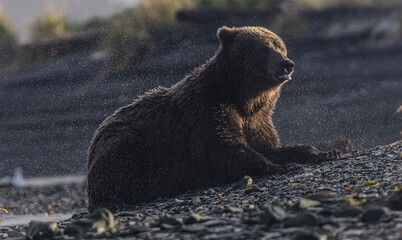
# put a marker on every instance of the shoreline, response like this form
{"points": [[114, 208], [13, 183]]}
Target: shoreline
{"points": [[56, 180]]}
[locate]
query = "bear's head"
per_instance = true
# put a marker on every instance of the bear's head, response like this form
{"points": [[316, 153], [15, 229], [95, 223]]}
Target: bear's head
{"points": [[255, 60]]}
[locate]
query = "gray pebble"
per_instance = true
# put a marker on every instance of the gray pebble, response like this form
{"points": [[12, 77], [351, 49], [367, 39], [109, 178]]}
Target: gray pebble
{"points": [[193, 218], [99, 221], [133, 230], [308, 236], [272, 215], [171, 221], [196, 200], [348, 212], [246, 181], [213, 223], [193, 228], [41, 230], [232, 209], [304, 203], [302, 219], [378, 214]]}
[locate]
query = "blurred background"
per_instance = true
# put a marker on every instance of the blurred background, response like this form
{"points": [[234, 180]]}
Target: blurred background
{"points": [[65, 65]]}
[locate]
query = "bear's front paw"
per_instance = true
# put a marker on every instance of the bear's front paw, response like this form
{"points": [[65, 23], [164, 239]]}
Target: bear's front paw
{"points": [[334, 154], [330, 155]]}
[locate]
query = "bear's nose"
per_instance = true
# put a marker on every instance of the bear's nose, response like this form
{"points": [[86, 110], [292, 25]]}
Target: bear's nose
{"points": [[288, 65]]}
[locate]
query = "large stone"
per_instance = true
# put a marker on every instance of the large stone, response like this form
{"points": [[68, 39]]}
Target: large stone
{"points": [[41, 230], [193, 228], [309, 236], [246, 181], [378, 214], [134, 230], [272, 215], [171, 221], [395, 201], [306, 203], [348, 212], [303, 219], [196, 200], [99, 221], [193, 218], [232, 209]]}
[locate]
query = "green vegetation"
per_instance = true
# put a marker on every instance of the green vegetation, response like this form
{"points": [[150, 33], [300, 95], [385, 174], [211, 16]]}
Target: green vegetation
{"points": [[128, 34], [8, 43], [49, 25]]}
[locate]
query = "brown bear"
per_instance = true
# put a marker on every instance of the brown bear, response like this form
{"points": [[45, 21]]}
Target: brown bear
{"points": [[212, 127]]}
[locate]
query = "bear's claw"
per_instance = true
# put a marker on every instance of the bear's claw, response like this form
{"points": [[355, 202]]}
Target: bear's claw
{"points": [[334, 154], [330, 155]]}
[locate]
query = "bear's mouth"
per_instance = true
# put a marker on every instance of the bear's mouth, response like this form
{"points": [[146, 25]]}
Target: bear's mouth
{"points": [[284, 77]]}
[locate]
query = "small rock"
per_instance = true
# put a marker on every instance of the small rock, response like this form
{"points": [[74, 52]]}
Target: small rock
{"points": [[302, 219], [322, 196], [213, 223], [272, 215], [232, 209], [395, 201], [193, 228], [306, 203], [193, 218], [41, 230], [217, 209], [309, 236], [99, 221], [165, 226], [325, 212], [210, 191], [348, 212], [171, 221], [125, 214], [246, 181], [251, 220], [215, 236], [133, 230], [196, 200], [378, 214]]}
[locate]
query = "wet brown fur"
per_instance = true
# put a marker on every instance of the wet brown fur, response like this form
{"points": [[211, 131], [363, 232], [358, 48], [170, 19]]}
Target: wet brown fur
{"points": [[212, 127]]}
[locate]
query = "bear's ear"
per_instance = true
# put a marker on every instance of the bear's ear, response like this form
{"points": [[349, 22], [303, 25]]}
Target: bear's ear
{"points": [[226, 35]]}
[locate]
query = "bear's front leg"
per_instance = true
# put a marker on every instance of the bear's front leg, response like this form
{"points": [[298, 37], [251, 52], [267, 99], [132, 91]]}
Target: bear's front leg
{"points": [[239, 160], [301, 154]]}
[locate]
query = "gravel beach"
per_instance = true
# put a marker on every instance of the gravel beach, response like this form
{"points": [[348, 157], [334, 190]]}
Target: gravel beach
{"points": [[347, 86], [343, 199]]}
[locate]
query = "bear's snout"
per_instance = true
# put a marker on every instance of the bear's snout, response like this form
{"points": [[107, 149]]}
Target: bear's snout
{"points": [[287, 65]]}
